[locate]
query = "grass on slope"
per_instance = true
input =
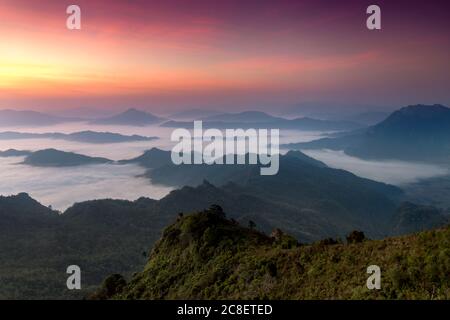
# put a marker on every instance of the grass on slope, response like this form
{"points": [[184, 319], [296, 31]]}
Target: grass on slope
{"points": [[206, 256]]}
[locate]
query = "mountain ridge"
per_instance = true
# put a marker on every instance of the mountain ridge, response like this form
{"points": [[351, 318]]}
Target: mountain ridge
{"points": [[412, 133], [87, 136], [130, 117], [206, 256], [57, 158], [10, 118]]}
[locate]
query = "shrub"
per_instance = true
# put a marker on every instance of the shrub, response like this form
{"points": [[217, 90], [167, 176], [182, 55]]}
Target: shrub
{"points": [[356, 237]]}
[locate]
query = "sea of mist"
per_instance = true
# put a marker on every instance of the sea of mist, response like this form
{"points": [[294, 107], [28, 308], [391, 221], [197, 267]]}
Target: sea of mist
{"points": [[389, 171], [61, 187]]}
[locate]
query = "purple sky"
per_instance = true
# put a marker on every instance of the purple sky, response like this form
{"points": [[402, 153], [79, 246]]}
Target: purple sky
{"points": [[233, 55]]}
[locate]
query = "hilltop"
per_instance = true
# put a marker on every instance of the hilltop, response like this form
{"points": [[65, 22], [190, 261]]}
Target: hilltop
{"points": [[130, 117], [206, 256]]}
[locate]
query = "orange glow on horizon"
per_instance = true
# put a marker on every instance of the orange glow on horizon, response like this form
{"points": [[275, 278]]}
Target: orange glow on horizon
{"points": [[161, 49]]}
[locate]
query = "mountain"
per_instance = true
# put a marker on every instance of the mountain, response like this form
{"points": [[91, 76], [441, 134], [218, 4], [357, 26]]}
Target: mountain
{"points": [[153, 158], [10, 118], [310, 124], [413, 133], [411, 218], [368, 118], [56, 158], [305, 192], [112, 236], [37, 245], [336, 110], [131, 117], [83, 136], [260, 120], [81, 112], [193, 114], [14, 153], [246, 116], [21, 211], [433, 191], [206, 256]]}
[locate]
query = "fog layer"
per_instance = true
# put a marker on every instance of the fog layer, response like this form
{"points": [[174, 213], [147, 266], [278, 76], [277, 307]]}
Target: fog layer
{"points": [[389, 171]]}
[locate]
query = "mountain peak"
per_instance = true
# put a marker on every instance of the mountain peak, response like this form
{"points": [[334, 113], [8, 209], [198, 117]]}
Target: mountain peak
{"points": [[420, 117], [14, 153], [134, 111], [422, 108], [132, 116]]}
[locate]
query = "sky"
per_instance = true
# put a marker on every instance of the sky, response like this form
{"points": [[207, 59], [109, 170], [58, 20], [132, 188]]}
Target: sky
{"points": [[223, 55]]}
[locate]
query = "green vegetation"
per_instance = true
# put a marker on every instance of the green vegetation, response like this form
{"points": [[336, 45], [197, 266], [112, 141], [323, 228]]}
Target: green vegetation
{"points": [[206, 256], [111, 236]]}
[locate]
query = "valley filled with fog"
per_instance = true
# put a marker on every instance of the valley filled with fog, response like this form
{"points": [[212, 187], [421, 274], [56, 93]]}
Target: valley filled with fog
{"points": [[394, 172], [62, 186]]}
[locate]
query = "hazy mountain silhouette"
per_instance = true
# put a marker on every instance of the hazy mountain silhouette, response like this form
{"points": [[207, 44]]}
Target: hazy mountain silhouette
{"points": [[10, 118], [411, 218], [305, 124], [56, 158], [82, 136], [153, 158], [368, 118], [193, 114], [14, 153], [302, 182], [245, 116], [131, 117], [415, 133]]}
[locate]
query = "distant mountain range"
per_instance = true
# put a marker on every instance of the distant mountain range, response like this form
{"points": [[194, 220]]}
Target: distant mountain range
{"points": [[211, 119], [205, 255], [368, 118], [53, 158], [131, 117], [11, 118], [338, 111], [256, 119], [316, 200], [154, 158], [14, 153], [304, 189], [82, 136], [193, 114], [413, 133], [246, 116], [411, 217]]}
